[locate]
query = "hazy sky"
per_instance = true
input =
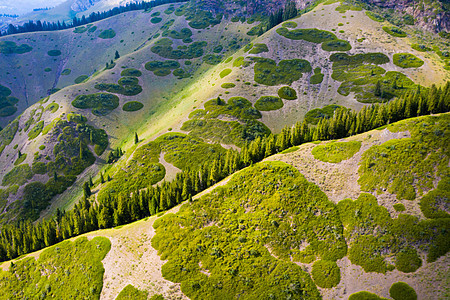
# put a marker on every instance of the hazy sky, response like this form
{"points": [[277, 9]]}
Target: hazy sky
{"points": [[21, 7]]}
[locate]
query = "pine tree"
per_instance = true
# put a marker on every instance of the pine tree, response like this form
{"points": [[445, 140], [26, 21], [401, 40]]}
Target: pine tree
{"points": [[378, 91], [102, 180], [91, 183], [116, 55], [55, 176], [86, 190], [136, 138]]}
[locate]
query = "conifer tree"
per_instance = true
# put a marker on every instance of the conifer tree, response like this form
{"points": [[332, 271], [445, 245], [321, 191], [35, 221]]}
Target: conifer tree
{"points": [[136, 138]]}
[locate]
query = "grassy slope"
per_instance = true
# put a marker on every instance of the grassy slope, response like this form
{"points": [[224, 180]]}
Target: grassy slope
{"points": [[173, 99], [133, 260]]}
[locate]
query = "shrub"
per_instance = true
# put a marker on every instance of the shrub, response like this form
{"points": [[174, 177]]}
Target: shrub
{"points": [[163, 48], [212, 59], [18, 175], [311, 35], [52, 107], [131, 72], [54, 53], [374, 16], [66, 72], [289, 24], [101, 103], [326, 274], [407, 60], [363, 295], [132, 106], [228, 85], [336, 152], [128, 80], [402, 291], [162, 68], [287, 93], [394, 31], [420, 48], [407, 260], [266, 103], [259, 48], [107, 34], [8, 47], [313, 116], [433, 204], [131, 293], [20, 159], [336, 45], [267, 72], [399, 207], [81, 79], [36, 130], [225, 73]]}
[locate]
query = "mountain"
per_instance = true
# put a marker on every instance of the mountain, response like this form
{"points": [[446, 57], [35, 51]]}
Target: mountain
{"points": [[127, 117]]}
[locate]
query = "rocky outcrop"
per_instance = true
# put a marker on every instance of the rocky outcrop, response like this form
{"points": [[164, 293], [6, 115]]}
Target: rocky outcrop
{"points": [[82, 5]]}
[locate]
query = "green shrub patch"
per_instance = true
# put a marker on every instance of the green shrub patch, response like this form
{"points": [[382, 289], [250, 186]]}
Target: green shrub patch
{"points": [[259, 48], [228, 85], [266, 103], [311, 35], [435, 204], [407, 60], [81, 79], [132, 106], [394, 31], [336, 45], [212, 59], [130, 292], [107, 34], [287, 93], [326, 274], [54, 53], [100, 103], [374, 16], [225, 73], [407, 260], [363, 295], [36, 130], [267, 71], [399, 207], [272, 197], [406, 167], [162, 68], [317, 77], [289, 24], [336, 152], [131, 72], [420, 47], [8, 47], [315, 115], [66, 72], [18, 175], [7, 103], [67, 270], [181, 35], [163, 48], [402, 291]]}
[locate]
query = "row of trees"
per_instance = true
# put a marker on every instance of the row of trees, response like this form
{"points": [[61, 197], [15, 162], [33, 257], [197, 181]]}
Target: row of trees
{"points": [[114, 210], [32, 26], [288, 12]]}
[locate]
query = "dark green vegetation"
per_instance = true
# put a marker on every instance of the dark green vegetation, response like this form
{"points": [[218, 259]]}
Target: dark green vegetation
{"points": [[162, 68], [399, 207], [36, 130], [315, 115], [402, 291], [420, 47], [8, 47], [7, 103], [132, 106], [225, 73], [228, 85], [435, 203], [267, 71], [394, 31], [287, 93], [81, 79], [362, 75], [289, 24], [336, 152], [204, 123], [86, 217], [163, 48], [375, 236], [407, 60], [266, 103], [131, 293], [363, 295], [101, 103], [259, 48], [66, 72], [212, 59], [128, 86], [234, 253], [407, 167], [336, 45], [107, 34], [184, 34], [69, 270], [54, 53], [156, 20], [52, 107], [7, 134], [344, 7], [326, 274], [317, 77], [131, 72], [311, 35], [374, 16]]}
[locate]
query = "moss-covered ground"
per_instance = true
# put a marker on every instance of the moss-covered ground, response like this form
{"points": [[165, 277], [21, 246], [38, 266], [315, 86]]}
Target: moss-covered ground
{"points": [[336, 152]]}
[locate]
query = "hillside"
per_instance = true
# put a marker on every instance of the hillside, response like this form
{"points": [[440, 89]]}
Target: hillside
{"points": [[153, 89], [289, 226]]}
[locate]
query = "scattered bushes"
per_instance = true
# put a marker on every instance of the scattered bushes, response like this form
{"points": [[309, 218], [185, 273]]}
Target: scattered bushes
{"points": [[326, 274], [267, 71], [18, 175], [212, 59], [287, 93], [107, 34], [132, 106], [317, 77], [336, 152], [402, 291], [184, 33], [8, 47], [101, 103], [407, 60], [267, 103], [163, 48]]}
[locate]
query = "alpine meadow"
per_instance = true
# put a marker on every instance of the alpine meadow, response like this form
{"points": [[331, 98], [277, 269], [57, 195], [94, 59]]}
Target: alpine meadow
{"points": [[207, 149]]}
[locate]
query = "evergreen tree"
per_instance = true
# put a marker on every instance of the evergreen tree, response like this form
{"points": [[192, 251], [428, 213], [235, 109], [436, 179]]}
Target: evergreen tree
{"points": [[116, 55], [378, 91], [86, 190], [136, 138]]}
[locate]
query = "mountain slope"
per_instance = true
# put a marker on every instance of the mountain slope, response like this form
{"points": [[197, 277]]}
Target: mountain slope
{"points": [[173, 91], [277, 221]]}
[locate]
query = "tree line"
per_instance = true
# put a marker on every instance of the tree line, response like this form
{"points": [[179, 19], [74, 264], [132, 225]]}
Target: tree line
{"points": [[32, 26], [113, 210]]}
